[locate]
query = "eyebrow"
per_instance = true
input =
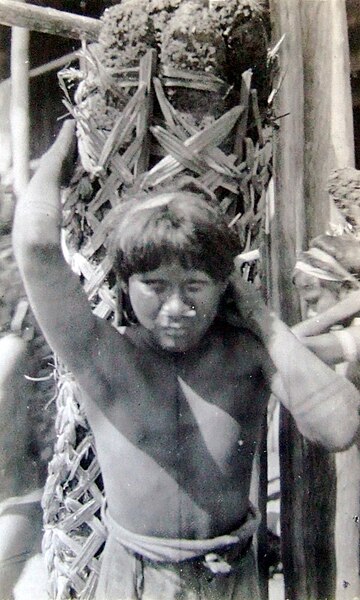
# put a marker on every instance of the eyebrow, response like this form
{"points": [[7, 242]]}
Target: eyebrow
{"points": [[191, 279]]}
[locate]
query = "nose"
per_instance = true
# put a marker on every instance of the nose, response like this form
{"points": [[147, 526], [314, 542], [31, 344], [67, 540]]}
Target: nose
{"points": [[175, 306]]}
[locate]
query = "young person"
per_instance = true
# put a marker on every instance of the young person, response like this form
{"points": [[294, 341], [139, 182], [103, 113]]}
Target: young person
{"points": [[325, 276], [177, 401]]}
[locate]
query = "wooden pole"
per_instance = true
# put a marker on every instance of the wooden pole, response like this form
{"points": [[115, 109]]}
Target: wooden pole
{"points": [[19, 107], [307, 473], [48, 20], [329, 142], [286, 234], [329, 135], [287, 218]]}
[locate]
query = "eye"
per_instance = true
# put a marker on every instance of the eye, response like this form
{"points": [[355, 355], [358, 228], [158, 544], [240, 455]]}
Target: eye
{"points": [[156, 285], [195, 287]]}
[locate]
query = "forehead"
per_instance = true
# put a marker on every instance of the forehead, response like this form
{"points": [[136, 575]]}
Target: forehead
{"points": [[173, 271]]}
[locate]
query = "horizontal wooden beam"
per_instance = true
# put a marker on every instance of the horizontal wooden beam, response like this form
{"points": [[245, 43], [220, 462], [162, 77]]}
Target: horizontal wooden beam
{"points": [[48, 20]]}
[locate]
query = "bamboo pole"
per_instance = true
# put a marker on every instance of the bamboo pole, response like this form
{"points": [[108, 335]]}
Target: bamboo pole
{"points": [[19, 107], [48, 20]]}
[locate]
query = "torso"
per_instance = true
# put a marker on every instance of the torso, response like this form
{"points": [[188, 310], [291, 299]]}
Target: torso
{"points": [[176, 433]]}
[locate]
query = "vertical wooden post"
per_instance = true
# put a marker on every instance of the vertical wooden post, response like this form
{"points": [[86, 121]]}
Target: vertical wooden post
{"points": [[328, 125], [314, 138], [19, 111], [329, 144], [286, 234], [287, 220]]}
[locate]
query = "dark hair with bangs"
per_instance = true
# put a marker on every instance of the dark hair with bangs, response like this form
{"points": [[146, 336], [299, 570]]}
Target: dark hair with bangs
{"points": [[184, 226]]}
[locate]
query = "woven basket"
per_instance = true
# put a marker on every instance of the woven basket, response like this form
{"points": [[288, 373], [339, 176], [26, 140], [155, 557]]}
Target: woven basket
{"points": [[74, 532]]}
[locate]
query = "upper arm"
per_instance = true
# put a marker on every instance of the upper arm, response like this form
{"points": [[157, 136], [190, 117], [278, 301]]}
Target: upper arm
{"points": [[59, 303]]}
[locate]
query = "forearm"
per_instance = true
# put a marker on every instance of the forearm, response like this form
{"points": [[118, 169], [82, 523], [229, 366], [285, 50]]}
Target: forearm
{"points": [[323, 403], [38, 214], [344, 310], [56, 296], [326, 347], [336, 346]]}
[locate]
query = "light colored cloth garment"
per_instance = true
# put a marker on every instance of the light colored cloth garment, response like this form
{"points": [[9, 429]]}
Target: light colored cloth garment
{"points": [[126, 576], [177, 550], [129, 575]]}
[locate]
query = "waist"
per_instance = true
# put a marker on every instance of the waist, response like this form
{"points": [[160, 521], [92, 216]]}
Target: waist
{"points": [[161, 549]]}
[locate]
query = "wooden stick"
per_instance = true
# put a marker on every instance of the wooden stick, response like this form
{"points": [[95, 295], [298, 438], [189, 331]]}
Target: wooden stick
{"points": [[48, 20], [242, 125], [19, 107], [146, 75], [54, 65]]}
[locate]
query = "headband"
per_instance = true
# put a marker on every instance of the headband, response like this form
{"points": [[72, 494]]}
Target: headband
{"points": [[329, 270]]}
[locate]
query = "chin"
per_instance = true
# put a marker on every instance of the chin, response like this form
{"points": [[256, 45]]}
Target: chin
{"points": [[178, 344], [172, 346]]}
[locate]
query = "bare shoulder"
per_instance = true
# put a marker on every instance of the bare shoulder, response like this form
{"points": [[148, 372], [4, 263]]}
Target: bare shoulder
{"points": [[247, 347]]}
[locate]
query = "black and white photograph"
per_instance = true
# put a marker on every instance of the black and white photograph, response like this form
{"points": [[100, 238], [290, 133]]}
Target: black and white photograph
{"points": [[180, 300]]}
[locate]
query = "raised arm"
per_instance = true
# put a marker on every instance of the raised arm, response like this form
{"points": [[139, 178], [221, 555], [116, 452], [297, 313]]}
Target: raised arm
{"points": [[55, 293], [336, 346], [323, 403]]}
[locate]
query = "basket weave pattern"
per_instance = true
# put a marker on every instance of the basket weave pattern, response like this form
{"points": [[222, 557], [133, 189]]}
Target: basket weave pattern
{"points": [[141, 152]]}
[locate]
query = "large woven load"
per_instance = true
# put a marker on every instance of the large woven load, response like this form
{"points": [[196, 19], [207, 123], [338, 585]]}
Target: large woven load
{"points": [[159, 99]]}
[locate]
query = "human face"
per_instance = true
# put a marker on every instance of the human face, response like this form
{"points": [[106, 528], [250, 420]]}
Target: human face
{"points": [[317, 298], [176, 305]]}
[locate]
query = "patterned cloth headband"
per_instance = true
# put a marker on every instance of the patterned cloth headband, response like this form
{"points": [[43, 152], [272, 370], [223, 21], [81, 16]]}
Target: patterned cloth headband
{"points": [[329, 268]]}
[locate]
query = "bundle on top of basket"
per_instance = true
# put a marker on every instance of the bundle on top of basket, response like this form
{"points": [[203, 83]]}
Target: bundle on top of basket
{"points": [[155, 101]]}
